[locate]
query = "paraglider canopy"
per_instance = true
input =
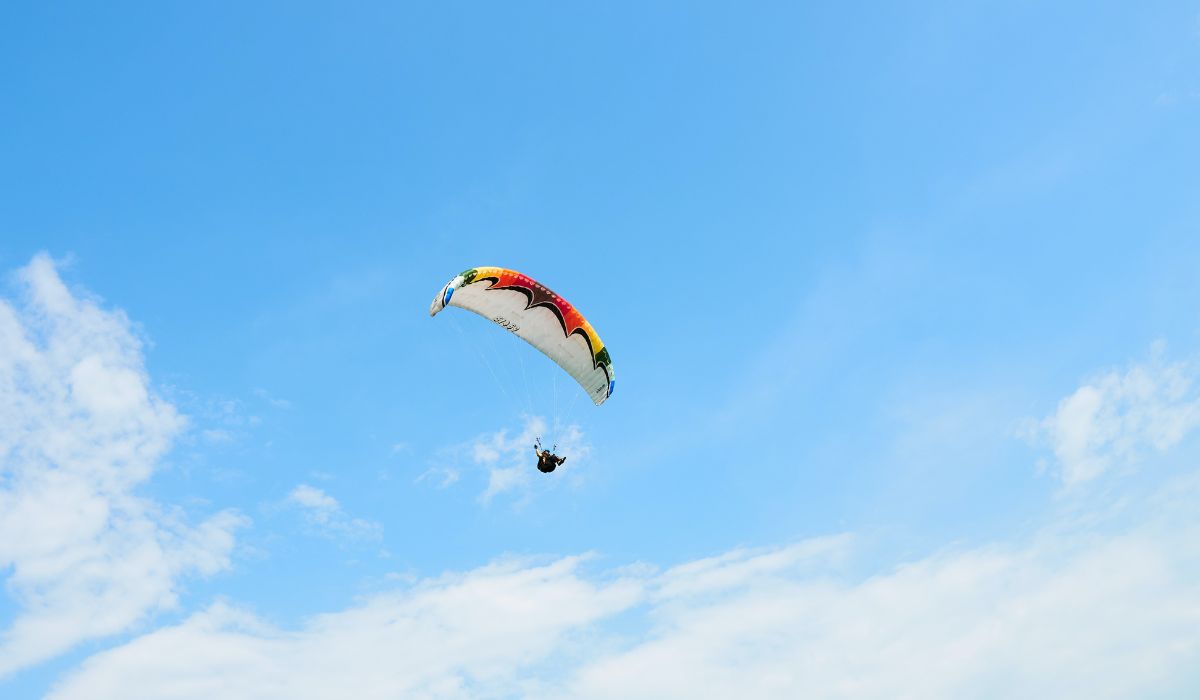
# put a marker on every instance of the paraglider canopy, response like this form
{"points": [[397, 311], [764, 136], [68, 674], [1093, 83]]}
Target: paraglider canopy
{"points": [[534, 313]]}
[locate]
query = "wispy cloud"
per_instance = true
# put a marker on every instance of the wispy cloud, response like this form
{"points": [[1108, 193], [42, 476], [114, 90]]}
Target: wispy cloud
{"points": [[1107, 605], [1116, 417], [459, 635], [214, 420], [273, 401], [216, 435], [1064, 613], [510, 461], [441, 476], [324, 515], [507, 460], [80, 431]]}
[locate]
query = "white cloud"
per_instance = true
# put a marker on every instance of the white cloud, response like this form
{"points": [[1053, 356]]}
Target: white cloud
{"points": [[1116, 417], [216, 436], [214, 420], [80, 429], [1066, 613], [467, 635], [508, 461], [1109, 609], [1063, 616], [448, 476], [314, 499], [274, 401], [1102, 606], [511, 463], [324, 514]]}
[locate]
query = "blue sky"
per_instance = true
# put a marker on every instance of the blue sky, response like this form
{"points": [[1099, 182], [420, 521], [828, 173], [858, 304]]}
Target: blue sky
{"points": [[902, 301]]}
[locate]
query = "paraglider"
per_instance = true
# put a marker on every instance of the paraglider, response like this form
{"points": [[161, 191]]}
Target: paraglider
{"points": [[547, 460], [538, 316], [531, 311]]}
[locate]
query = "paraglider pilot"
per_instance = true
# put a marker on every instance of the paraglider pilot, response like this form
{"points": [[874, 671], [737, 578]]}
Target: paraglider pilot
{"points": [[547, 461]]}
